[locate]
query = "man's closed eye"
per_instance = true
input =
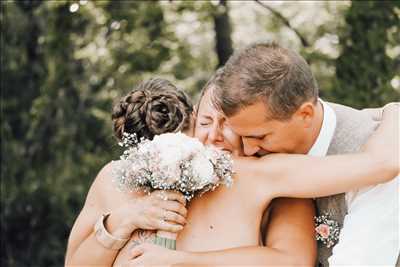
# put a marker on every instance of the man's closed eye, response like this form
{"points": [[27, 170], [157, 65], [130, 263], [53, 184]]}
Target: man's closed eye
{"points": [[259, 137]]}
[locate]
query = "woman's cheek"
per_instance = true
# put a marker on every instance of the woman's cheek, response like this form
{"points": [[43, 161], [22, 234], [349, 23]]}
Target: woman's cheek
{"points": [[200, 134]]}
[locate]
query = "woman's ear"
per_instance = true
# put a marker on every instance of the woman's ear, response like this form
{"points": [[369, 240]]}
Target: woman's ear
{"points": [[194, 112], [190, 130], [194, 116]]}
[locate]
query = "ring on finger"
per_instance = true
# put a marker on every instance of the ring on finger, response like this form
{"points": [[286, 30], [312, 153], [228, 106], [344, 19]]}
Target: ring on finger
{"points": [[164, 217]]}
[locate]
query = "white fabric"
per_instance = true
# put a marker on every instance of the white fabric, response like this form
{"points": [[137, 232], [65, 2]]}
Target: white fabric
{"points": [[321, 145], [370, 233]]}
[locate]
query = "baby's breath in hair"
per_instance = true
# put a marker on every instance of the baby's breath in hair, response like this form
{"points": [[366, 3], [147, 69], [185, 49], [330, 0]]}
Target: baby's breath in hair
{"points": [[128, 140]]}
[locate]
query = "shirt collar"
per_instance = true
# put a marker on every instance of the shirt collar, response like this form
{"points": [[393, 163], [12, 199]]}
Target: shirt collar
{"points": [[321, 145]]}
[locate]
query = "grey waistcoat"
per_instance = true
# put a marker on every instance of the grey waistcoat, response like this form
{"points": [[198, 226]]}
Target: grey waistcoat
{"points": [[353, 127]]}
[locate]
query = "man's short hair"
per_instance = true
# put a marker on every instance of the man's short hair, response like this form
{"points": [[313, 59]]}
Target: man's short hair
{"points": [[267, 72]]}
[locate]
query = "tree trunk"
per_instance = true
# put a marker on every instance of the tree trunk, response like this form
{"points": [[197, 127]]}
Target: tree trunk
{"points": [[223, 30]]}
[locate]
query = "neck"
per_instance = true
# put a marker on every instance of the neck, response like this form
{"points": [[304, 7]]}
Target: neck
{"points": [[314, 131]]}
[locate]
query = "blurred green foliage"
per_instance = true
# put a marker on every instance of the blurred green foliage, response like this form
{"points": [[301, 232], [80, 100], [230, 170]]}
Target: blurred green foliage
{"points": [[64, 62], [364, 70]]}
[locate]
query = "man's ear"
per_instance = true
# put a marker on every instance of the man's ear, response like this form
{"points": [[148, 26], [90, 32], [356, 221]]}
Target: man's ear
{"points": [[306, 113]]}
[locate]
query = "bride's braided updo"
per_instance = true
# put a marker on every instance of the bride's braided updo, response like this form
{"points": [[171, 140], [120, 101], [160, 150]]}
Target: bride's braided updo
{"points": [[154, 107]]}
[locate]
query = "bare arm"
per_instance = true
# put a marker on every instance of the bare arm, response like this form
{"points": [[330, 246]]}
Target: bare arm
{"points": [[306, 177], [291, 229], [128, 213], [83, 248]]}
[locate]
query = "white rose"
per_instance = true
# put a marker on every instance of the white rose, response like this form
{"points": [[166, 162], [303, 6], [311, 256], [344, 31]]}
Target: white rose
{"points": [[203, 169], [175, 147]]}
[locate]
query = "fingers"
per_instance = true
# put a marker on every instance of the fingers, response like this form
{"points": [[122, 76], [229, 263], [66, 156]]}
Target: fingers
{"points": [[169, 227], [174, 207], [173, 217], [170, 195], [173, 195]]}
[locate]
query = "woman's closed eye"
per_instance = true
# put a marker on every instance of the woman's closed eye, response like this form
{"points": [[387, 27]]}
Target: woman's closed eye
{"points": [[205, 122]]}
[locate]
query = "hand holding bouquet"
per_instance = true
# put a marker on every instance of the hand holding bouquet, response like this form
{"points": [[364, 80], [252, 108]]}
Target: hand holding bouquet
{"points": [[171, 161]]}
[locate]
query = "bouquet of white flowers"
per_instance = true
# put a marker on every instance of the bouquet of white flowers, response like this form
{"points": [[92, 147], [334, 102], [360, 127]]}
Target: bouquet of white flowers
{"points": [[172, 161]]}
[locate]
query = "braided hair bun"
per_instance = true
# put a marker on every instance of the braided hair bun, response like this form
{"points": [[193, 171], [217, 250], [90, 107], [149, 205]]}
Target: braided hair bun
{"points": [[156, 106]]}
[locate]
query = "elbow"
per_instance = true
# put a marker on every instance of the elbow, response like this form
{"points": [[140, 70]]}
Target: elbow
{"points": [[391, 161], [384, 168], [395, 168], [68, 263], [68, 260], [391, 168]]}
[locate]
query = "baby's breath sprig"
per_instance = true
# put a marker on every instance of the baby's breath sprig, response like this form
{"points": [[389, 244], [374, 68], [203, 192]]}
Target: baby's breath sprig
{"points": [[327, 230], [128, 140], [171, 161]]}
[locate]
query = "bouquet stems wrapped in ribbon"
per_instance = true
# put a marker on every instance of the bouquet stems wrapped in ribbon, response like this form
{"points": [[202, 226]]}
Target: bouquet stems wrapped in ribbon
{"points": [[171, 161]]}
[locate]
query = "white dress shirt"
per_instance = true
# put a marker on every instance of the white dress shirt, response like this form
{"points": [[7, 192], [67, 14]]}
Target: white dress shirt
{"points": [[321, 145]]}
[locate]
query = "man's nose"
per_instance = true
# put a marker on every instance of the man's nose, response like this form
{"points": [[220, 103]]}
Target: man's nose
{"points": [[250, 146]]}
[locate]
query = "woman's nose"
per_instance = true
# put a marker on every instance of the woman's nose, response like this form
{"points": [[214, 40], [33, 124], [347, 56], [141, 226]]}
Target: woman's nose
{"points": [[215, 134]]}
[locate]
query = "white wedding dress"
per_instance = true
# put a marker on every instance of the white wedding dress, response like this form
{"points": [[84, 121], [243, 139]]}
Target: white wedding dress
{"points": [[370, 233]]}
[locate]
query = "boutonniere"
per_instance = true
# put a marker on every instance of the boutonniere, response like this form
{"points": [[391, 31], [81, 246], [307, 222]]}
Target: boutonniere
{"points": [[326, 230]]}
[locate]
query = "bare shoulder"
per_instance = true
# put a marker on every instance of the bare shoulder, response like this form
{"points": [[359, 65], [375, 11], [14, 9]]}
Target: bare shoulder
{"points": [[273, 166], [264, 175], [104, 192]]}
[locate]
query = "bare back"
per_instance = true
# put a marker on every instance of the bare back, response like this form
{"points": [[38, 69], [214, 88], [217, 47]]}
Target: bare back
{"points": [[221, 219]]}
